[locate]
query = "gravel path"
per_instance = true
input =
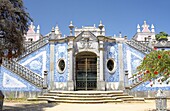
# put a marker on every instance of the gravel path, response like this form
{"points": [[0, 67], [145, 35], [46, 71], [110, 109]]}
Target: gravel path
{"points": [[140, 106]]}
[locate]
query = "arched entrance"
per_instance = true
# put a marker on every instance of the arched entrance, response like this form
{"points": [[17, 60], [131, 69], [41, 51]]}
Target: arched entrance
{"points": [[86, 71]]}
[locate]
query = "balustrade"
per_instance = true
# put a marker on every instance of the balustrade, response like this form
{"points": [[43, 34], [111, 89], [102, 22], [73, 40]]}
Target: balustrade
{"points": [[139, 45], [23, 72], [135, 80], [30, 47]]}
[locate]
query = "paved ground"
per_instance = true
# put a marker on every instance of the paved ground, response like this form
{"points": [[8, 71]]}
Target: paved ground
{"points": [[27, 106]]}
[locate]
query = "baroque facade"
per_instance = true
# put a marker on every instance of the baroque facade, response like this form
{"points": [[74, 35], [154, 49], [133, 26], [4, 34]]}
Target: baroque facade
{"points": [[87, 59]]}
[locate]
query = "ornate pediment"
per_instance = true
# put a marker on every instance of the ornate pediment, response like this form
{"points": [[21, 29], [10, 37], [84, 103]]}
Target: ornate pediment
{"points": [[86, 40], [86, 35]]}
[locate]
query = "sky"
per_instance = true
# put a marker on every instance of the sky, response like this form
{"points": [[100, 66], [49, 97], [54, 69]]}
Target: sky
{"points": [[116, 15]]}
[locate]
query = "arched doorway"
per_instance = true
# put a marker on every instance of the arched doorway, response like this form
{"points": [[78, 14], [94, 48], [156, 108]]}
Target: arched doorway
{"points": [[86, 71]]}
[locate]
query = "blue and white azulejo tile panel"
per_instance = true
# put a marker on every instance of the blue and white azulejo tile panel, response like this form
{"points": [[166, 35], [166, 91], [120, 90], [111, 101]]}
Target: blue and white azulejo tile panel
{"points": [[37, 61], [61, 53], [13, 82], [132, 58], [111, 52]]}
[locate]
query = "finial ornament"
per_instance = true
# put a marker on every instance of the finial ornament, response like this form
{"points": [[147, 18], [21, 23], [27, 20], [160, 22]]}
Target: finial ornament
{"points": [[52, 35], [152, 28], [120, 34], [101, 27], [138, 28], [71, 26], [38, 29], [53, 30], [145, 27], [31, 27], [57, 31]]}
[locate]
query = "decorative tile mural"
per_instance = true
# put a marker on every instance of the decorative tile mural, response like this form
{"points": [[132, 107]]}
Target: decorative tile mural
{"points": [[38, 61], [13, 82], [111, 52], [60, 53], [132, 59]]}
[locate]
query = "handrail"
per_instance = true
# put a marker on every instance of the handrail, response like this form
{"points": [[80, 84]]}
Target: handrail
{"points": [[23, 72], [31, 47], [139, 46], [136, 80]]}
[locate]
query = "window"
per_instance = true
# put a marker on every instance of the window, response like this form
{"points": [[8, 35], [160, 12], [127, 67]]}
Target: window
{"points": [[61, 66], [111, 65]]}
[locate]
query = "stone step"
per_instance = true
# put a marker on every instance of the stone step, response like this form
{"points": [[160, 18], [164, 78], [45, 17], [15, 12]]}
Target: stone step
{"points": [[95, 96], [86, 92], [37, 99], [86, 97], [120, 97], [133, 99], [83, 102]]}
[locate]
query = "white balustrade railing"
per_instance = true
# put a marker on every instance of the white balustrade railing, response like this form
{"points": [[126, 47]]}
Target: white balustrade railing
{"points": [[136, 80], [30, 47], [139, 46], [23, 72], [133, 81]]}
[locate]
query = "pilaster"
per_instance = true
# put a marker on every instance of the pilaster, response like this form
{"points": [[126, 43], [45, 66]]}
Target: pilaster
{"points": [[101, 82], [52, 62], [70, 83], [121, 71]]}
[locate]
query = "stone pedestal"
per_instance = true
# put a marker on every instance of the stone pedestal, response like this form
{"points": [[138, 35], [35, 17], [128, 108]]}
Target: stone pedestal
{"points": [[101, 86], [70, 86], [121, 85]]}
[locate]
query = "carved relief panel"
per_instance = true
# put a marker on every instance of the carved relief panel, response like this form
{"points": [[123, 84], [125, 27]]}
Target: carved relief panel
{"points": [[86, 41]]}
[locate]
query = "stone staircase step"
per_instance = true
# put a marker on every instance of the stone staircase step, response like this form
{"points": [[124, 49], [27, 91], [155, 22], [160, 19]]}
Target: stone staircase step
{"points": [[120, 97], [86, 92], [37, 99], [133, 99], [85, 102], [86, 97]]}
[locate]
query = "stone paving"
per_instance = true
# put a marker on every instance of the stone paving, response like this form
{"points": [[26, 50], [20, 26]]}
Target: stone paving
{"points": [[148, 105]]}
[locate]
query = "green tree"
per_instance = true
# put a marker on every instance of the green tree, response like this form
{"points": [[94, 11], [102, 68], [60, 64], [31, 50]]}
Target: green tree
{"points": [[156, 64], [161, 35], [13, 25]]}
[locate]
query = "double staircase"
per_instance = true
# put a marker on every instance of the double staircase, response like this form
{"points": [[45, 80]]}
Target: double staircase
{"points": [[86, 97]]}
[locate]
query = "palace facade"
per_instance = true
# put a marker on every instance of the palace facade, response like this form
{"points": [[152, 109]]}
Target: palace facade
{"points": [[87, 59]]}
